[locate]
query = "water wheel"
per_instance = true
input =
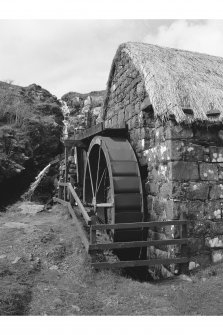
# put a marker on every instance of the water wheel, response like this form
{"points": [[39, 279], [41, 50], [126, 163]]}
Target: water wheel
{"points": [[112, 187]]}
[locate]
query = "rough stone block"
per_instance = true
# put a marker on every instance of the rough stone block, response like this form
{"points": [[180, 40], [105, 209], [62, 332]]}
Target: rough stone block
{"points": [[178, 132], [181, 171], [139, 146], [166, 190], [216, 192], [142, 133], [169, 209], [194, 152], [159, 134], [159, 206], [191, 190], [220, 171], [196, 210], [208, 171], [142, 160], [126, 100], [150, 202], [216, 154], [180, 210], [175, 149], [180, 150], [206, 158], [217, 256], [149, 133], [133, 94], [215, 228], [197, 191], [114, 121], [162, 172], [140, 90], [213, 210], [121, 117], [147, 145], [137, 109], [152, 187], [148, 119], [205, 135], [157, 154], [157, 172], [107, 123], [216, 242], [134, 82], [203, 260]]}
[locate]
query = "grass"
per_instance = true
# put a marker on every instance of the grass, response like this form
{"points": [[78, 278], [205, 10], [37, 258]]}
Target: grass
{"points": [[54, 277]]}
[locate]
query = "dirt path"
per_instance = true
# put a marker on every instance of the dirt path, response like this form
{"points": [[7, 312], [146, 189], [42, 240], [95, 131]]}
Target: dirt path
{"points": [[44, 270]]}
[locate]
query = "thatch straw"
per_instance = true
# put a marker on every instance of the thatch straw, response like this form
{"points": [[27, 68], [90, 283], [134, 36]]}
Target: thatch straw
{"points": [[176, 79]]}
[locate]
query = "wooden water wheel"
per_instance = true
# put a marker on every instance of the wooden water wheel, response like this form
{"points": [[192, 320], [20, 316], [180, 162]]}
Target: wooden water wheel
{"points": [[112, 187]]}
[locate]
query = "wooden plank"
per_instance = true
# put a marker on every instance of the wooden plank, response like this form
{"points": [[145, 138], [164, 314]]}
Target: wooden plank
{"points": [[109, 204], [135, 225], [147, 262], [62, 202], [80, 229], [98, 129], [72, 142], [184, 268], [63, 184], [60, 192], [92, 238], [90, 132], [106, 204], [134, 244], [80, 205]]}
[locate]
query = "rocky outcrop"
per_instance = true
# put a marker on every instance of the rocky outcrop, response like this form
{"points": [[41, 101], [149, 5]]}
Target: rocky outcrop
{"points": [[30, 130], [85, 109]]}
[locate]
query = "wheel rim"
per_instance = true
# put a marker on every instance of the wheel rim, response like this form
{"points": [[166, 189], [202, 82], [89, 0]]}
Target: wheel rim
{"points": [[98, 183]]}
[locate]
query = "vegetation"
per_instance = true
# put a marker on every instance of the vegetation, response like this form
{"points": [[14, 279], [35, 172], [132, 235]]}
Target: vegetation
{"points": [[44, 270], [30, 130]]}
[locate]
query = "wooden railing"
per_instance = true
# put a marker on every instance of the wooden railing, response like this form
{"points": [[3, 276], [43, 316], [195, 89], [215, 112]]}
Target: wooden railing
{"points": [[68, 197]]}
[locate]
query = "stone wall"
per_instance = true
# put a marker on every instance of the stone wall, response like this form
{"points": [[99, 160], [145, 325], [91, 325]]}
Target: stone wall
{"points": [[184, 164]]}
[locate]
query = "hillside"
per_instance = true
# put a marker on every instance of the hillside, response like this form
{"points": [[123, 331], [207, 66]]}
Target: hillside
{"points": [[85, 109], [30, 131]]}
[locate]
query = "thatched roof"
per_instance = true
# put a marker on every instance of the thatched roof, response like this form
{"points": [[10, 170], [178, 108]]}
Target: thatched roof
{"points": [[177, 80]]}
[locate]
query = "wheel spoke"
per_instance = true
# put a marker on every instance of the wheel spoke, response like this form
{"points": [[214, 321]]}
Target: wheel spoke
{"points": [[92, 187], [101, 179], [96, 185]]}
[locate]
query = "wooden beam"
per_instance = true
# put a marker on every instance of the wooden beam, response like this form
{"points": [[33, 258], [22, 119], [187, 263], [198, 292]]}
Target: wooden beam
{"points": [[63, 184], [62, 202], [90, 132], [135, 225], [79, 203], [106, 204], [135, 244], [147, 262], [72, 142], [80, 229]]}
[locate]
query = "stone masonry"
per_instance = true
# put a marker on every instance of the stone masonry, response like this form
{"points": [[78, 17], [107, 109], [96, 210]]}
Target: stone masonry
{"points": [[184, 163]]}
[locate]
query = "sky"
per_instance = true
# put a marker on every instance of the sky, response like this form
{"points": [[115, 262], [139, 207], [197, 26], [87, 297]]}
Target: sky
{"points": [[76, 55]]}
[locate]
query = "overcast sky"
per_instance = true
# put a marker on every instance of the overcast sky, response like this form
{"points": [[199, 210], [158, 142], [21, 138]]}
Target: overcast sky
{"points": [[76, 55]]}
